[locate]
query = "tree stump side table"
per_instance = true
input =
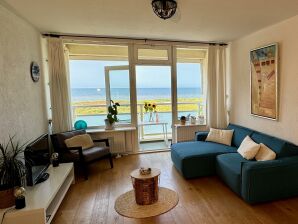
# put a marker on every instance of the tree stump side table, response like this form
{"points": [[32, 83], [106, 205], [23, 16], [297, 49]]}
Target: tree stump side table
{"points": [[145, 186]]}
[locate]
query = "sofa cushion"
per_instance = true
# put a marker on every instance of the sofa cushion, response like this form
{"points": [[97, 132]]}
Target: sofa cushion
{"points": [[228, 167], [265, 153], [248, 148], [220, 136], [201, 135], [197, 159], [239, 134]]}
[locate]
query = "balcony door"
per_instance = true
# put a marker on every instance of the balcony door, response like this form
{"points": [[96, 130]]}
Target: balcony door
{"points": [[154, 103]]}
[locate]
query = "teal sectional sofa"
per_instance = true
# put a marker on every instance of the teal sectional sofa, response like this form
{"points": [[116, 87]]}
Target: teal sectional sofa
{"points": [[254, 181]]}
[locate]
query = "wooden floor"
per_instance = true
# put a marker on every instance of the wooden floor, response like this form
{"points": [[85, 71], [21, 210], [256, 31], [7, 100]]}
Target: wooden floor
{"points": [[203, 200]]}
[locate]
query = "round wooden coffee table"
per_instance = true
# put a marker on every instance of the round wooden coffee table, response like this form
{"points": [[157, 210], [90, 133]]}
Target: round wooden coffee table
{"points": [[145, 186]]}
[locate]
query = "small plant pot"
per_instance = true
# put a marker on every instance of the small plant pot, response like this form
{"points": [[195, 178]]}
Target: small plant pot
{"points": [[7, 198], [20, 202], [109, 126], [182, 122]]}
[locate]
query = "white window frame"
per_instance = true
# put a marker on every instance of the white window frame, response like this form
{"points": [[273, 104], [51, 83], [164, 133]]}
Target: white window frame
{"points": [[108, 69], [133, 46], [203, 63], [150, 61]]}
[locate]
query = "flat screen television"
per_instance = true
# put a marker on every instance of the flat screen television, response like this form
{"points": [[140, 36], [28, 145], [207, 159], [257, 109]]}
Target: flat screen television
{"points": [[37, 160]]}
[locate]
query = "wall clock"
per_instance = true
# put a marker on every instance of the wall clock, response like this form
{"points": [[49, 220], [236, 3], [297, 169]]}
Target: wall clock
{"points": [[35, 71]]}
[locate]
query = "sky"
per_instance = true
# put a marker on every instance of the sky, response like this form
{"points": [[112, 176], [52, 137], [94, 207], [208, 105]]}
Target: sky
{"points": [[90, 74]]}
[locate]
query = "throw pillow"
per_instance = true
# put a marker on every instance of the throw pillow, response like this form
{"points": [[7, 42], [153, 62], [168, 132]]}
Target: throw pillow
{"points": [[220, 136], [248, 148], [265, 153], [84, 141]]}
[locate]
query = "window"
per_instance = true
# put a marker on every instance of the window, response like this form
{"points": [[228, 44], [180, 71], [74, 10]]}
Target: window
{"points": [[153, 54], [117, 89], [100, 73], [88, 70], [146, 54], [190, 79], [153, 84]]}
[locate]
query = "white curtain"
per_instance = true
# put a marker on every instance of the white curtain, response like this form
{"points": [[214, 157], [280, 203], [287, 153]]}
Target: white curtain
{"points": [[59, 86], [216, 87]]}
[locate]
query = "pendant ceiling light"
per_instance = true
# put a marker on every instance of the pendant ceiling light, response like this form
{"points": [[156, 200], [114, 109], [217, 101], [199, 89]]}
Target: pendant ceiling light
{"points": [[164, 9]]}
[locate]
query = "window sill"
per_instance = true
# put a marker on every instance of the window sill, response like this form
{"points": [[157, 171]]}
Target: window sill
{"points": [[188, 125], [116, 129]]}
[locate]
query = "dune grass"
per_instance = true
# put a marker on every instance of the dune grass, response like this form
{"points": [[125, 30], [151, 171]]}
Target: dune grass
{"points": [[92, 107]]}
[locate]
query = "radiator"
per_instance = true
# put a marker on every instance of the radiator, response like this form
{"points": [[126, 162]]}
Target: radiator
{"points": [[120, 142], [184, 133]]}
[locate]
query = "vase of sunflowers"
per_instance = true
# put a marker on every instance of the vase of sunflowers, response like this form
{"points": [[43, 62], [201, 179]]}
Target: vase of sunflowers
{"points": [[151, 108]]}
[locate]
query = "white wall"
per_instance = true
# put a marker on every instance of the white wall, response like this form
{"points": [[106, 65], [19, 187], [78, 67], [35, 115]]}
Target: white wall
{"points": [[22, 104], [286, 35]]}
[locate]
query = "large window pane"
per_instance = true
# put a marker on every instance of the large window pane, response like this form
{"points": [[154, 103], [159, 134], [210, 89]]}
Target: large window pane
{"points": [[190, 97], [88, 93], [154, 87], [120, 92]]}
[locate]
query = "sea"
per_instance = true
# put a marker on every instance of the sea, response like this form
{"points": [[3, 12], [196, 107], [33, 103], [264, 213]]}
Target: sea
{"points": [[92, 94]]}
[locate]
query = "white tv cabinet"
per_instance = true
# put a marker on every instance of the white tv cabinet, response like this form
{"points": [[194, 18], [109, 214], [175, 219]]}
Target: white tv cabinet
{"points": [[44, 199]]}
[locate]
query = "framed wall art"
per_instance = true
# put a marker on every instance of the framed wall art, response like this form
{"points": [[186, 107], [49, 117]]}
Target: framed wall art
{"points": [[264, 81]]}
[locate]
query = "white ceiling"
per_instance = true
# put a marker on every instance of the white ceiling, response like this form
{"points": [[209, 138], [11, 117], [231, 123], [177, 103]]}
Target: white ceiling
{"points": [[197, 20]]}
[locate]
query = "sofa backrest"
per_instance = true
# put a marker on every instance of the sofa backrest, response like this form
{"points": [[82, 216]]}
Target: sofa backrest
{"points": [[239, 133], [282, 148]]}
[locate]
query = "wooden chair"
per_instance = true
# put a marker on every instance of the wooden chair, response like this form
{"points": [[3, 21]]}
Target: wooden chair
{"points": [[76, 154]]}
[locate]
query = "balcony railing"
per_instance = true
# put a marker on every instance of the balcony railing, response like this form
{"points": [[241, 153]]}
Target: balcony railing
{"points": [[164, 116]]}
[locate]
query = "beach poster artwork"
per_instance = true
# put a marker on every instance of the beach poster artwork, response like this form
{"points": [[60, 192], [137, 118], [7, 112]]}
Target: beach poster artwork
{"points": [[264, 77]]}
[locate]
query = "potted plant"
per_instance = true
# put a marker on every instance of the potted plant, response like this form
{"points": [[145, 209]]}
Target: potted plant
{"points": [[112, 115], [182, 120], [12, 171]]}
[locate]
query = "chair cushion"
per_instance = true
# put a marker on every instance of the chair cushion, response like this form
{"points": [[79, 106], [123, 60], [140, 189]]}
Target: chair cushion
{"points": [[95, 153], [65, 135], [85, 141], [228, 168], [239, 134], [196, 159]]}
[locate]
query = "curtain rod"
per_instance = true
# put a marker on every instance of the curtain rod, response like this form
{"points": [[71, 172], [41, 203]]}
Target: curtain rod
{"points": [[126, 38]]}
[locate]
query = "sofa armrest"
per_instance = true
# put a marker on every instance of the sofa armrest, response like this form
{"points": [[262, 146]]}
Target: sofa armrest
{"points": [[269, 180], [201, 135]]}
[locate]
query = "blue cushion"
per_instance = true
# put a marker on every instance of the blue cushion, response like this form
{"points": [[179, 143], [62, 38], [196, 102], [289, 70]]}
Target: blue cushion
{"points": [[201, 135], [279, 146], [239, 134], [228, 167], [197, 159]]}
